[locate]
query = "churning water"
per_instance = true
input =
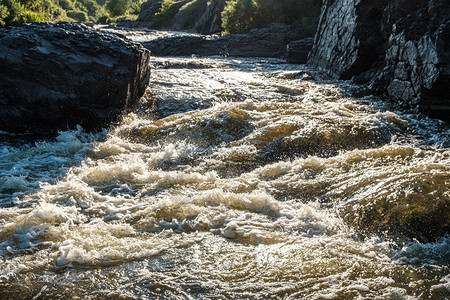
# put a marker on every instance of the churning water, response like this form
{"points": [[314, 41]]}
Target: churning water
{"points": [[249, 182]]}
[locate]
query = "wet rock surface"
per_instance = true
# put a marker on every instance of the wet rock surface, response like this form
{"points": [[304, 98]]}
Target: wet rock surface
{"points": [[56, 76], [400, 48]]}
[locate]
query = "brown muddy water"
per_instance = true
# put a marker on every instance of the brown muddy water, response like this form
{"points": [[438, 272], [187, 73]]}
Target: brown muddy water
{"points": [[249, 182]]}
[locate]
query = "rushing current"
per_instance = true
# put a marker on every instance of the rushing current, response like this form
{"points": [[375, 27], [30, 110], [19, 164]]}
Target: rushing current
{"points": [[233, 179]]}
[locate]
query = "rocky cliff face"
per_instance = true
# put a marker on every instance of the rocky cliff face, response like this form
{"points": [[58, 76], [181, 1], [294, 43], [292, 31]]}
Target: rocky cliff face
{"points": [[399, 47], [55, 76], [211, 22]]}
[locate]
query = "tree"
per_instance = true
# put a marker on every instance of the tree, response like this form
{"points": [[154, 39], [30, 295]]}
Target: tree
{"points": [[238, 16], [15, 11], [117, 7], [91, 6]]}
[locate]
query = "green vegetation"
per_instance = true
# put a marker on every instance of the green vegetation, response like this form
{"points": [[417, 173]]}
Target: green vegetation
{"points": [[239, 16], [117, 7], [135, 8], [80, 16], [16, 12], [166, 13], [3, 14]]}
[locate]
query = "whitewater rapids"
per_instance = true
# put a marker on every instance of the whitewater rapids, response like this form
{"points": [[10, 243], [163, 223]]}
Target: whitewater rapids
{"points": [[234, 178]]}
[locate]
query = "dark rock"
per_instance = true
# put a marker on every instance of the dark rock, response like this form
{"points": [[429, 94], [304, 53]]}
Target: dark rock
{"points": [[147, 17], [269, 41], [211, 21], [416, 72], [55, 76], [297, 51], [260, 42], [400, 47], [306, 27]]}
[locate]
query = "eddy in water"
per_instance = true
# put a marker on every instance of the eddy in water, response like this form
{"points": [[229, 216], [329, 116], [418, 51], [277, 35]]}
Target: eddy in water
{"points": [[250, 183]]}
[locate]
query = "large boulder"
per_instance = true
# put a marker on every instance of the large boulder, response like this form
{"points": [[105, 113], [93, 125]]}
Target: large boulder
{"points": [[55, 76], [399, 47]]}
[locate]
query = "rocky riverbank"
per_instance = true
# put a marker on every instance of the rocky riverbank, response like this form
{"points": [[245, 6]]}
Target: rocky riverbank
{"points": [[273, 41], [56, 76], [261, 42]]}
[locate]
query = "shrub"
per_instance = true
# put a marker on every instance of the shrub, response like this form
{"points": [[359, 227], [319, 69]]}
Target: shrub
{"points": [[135, 8], [117, 7], [77, 15], [103, 19], [58, 12], [3, 14], [15, 12], [238, 16], [41, 7], [66, 4], [166, 13], [91, 6], [31, 16]]}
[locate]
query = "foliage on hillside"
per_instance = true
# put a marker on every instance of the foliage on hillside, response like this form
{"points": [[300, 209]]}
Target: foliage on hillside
{"points": [[167, 12], [16, 12], [240, 16]]}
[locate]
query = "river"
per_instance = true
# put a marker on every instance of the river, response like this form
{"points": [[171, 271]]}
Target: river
{"points": [[235, 179]]}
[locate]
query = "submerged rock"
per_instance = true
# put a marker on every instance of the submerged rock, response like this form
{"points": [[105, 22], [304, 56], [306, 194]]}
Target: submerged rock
{"points": [[400, 47], [56, 76]]}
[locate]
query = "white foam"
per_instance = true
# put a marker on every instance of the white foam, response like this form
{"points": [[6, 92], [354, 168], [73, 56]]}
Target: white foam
{"points": [[163, 194]]}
